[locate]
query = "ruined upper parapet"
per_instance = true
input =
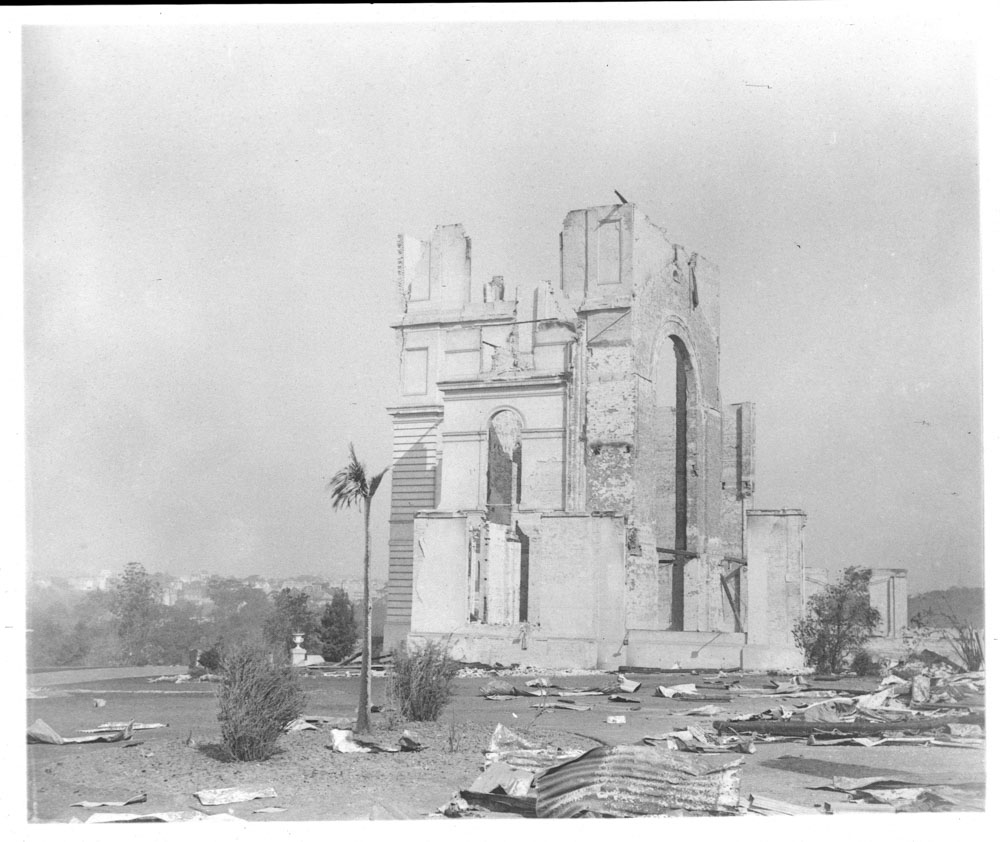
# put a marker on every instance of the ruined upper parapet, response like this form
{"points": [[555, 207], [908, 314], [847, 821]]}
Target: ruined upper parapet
{"points": [[612, 254], [596, 245], [620, 277], [437, 273]]}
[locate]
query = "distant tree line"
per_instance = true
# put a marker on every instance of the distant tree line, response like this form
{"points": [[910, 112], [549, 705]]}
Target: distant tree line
{"points": [[129, 624], [947, 608]]}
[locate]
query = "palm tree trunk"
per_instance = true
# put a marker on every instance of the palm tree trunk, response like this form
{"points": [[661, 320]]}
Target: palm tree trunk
{"points": [[363, 725]]}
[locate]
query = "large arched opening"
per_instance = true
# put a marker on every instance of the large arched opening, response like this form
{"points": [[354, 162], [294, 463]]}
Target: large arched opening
{"points": [[499, 550], [672, 394], [503, 466]]}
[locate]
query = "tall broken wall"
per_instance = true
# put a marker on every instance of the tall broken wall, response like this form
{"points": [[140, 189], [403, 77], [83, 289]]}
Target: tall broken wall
{"points": [[776, 585]]}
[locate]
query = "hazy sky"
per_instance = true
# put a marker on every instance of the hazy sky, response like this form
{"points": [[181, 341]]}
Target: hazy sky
{"points": [[210, 220]]}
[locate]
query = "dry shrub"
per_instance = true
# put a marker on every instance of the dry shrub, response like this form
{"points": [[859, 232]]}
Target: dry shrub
{"points": [[421, 681], [865, 664], [968, 645], [258, 696]]}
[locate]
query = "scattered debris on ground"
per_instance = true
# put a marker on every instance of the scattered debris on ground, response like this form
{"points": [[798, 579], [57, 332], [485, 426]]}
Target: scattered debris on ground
{"points": [[562, 704], [531, 772], [705, 710], [91, 805], [519, 752], [479, 670], [345, 742], [912, 699], [40, 732], [506, 778], [766, 806], [232, 795], [174, 816], [121, 726], [626, 685], [694, 739], [496, 690]]}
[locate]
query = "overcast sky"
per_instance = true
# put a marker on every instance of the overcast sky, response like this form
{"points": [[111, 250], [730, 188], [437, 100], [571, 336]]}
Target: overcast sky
{"points": [[210, 249]]}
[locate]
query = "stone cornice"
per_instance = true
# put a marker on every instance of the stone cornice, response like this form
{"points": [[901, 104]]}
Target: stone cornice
{"points": [[536, 383], [501, 312], [417, 411]]}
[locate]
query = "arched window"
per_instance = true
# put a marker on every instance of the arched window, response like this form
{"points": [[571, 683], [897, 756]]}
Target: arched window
{"points": [[503, 467]]}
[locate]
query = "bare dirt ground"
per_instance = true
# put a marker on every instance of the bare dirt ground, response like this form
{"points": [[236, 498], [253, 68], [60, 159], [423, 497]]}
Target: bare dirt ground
{"points": [[313, 783]]}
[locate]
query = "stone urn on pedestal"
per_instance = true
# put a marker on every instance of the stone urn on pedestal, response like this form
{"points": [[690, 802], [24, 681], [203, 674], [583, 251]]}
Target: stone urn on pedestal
{"points": [[298, 653]]}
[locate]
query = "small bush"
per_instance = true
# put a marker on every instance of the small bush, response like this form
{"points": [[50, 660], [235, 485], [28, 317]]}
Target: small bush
{"points": [[421, 681], [211, 659], [864, 663], [839, 621], [258, 696]]}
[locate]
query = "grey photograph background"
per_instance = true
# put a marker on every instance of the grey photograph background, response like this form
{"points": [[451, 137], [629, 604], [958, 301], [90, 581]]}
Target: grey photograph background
{"points": [[210, 217]]}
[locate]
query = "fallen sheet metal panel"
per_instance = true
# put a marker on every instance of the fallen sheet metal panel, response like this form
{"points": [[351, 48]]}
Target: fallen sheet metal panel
{"points": [[41, 732], [499, 803], [958, 730], [520, 752], [639, 780], [776, 807], [562, 704], [626, 685], [343, 741], [121, 726], [835, 807], [695, 740], [856, 729], [704, 710], [232, 795], [500, 776], [675, 690], [92, 805]]}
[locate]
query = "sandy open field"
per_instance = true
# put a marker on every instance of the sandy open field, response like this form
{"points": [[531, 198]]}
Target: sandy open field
{"points": [[314, 783]]}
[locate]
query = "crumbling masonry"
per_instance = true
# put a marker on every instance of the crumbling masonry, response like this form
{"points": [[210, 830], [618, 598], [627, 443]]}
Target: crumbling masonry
{"points": [[568, 488]]}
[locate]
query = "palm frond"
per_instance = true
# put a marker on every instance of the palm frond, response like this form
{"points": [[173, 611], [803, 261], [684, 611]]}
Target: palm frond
{"points": [[376, 480], [350, 484]]}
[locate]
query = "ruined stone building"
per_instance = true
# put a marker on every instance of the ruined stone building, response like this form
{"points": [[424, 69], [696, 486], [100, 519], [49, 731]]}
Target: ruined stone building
{"points": [[568, 486]]}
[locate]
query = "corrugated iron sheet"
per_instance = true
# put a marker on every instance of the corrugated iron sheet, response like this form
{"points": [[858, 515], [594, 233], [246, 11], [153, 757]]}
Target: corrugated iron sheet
{"points": [[638, 780]]}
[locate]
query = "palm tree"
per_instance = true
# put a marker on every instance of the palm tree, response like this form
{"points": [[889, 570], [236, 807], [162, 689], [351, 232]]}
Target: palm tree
{"points": [[351, 486]]}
